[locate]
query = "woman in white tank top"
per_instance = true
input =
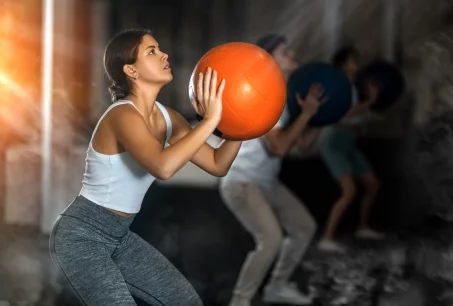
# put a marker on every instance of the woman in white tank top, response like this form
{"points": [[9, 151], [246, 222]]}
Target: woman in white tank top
{"points": [[135, 141]]}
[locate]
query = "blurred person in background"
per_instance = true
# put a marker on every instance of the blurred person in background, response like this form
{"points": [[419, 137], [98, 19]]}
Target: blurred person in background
{"points": [[264, 206], [345, 161]]}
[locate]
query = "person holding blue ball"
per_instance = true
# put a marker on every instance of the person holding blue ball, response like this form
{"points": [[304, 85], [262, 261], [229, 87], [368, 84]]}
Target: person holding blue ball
{"points": [[345, 161], [264, 206]]}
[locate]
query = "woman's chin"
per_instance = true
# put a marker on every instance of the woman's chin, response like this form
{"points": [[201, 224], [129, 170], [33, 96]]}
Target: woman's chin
{"points": [[168, 79]]}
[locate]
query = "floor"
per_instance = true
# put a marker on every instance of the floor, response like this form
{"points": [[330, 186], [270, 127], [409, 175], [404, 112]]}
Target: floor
{"points": [[412, 267]]}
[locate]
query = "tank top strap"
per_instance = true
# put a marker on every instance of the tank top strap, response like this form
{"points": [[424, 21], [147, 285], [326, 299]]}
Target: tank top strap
{"points": [[121, 102]]}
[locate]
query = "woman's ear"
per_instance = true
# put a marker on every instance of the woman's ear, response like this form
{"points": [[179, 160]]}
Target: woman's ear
{"points": [[130, 71]]}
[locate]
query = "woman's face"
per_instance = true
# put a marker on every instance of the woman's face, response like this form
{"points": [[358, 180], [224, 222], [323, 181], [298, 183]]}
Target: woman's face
{"points": [[152, 64]]}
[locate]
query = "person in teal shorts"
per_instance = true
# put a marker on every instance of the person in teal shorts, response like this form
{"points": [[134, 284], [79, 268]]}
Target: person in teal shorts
{"points": [[345, 161]]}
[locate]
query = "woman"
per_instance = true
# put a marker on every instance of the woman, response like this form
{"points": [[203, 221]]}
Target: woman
{"points": [[105, 263], [346, 162]]}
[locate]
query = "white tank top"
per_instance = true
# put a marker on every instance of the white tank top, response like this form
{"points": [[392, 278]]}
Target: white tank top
{"points": [[118, 181]]}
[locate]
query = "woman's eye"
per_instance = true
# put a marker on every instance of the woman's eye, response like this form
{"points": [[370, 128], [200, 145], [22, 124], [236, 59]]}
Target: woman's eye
{"points": [[153, 51]]}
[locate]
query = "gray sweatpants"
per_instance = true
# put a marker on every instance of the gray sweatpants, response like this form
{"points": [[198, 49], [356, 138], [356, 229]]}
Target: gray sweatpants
{"points": [[264, 213], [107, 264]]}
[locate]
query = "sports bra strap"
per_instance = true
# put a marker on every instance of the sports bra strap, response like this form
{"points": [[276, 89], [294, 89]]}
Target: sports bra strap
{"points": [[167, 120]]}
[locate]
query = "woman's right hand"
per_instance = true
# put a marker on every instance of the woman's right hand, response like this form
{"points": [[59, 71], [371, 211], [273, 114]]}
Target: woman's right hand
{"points": [[207, 100]]}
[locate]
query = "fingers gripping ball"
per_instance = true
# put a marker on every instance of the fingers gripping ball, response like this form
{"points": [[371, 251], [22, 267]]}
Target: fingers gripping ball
{"points": [[255, 90], [337, 92], [388, 79]]}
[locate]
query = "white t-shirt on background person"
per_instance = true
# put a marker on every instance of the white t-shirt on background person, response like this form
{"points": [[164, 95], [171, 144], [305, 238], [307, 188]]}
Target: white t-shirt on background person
{"points": [[254, 163]]}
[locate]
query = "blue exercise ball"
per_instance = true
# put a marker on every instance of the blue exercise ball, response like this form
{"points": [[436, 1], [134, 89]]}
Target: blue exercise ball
{"points": [[337, 89], [389, 80]]}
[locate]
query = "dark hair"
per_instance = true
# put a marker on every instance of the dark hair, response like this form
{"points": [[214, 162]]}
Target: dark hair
{"points": [[120, 51], [344, 54], [270, 42]]}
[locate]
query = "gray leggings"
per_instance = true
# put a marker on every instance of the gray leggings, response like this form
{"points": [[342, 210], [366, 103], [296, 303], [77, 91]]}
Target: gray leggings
{"points": [[107, 264]]}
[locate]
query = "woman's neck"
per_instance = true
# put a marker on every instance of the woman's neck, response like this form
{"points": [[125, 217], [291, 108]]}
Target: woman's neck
{"points": [[144, 100]]}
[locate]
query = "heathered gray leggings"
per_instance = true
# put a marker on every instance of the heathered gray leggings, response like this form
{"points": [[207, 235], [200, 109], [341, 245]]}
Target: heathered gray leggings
{"points": [[107, 264]]}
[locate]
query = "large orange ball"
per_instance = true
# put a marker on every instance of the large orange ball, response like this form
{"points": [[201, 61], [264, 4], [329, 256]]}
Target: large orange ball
{"points": [[255, 90]]}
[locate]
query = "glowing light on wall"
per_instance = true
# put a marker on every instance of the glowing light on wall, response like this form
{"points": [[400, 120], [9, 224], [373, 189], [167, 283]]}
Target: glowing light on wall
{"points": [[47, 51]]}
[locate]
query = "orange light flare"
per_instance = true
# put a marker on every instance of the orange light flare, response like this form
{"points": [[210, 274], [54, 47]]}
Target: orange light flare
{"points": [[20, 75]]}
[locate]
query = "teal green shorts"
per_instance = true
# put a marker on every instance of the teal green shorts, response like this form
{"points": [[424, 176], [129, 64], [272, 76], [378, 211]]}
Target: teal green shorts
{"points": [[340, 153]]}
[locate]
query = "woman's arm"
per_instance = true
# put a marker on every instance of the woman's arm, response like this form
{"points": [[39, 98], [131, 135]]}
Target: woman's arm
{"points": [[217, 161], [280, 140], [147, 149]]}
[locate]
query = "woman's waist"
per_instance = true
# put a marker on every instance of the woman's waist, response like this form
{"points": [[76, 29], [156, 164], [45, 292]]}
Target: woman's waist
{"points": [[123, 200], [103, 218]]}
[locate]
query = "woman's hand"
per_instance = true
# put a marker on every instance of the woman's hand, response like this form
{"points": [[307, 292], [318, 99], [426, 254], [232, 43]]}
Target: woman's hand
{"points": [[207, 100]]}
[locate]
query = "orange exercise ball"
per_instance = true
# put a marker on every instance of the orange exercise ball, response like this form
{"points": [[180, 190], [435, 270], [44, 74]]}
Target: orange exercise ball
{"points": [[255, 89]]}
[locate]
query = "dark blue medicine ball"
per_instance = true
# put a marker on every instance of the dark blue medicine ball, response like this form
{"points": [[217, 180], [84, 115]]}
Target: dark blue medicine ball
{"points": [[337, 89], [389, 80]]}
